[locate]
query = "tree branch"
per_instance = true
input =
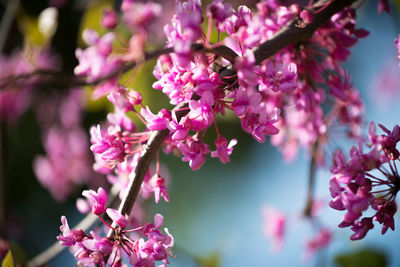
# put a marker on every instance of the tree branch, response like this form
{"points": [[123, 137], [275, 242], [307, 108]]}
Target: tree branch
{"points": [[136, 178], [292, 34], [63, 80], [280, 40], [289, 35], [311, 181]]}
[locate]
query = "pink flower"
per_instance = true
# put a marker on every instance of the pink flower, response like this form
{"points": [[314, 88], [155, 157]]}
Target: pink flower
{"points": [[179, 129], [156, 248], [184, 30], [99, 244], [223, 149], [109, 19], [137, 14], [245, 101], [117, 217], [119, 120], [246, 70], [65, 164], [252, 124], [201, 112], [219, 12], [397, 43], [319, 242], [279, 77], [134, 97], [307, 16], [119, 98], [96, 61], [274, 226], [361, 228], [357, 193], [383, 5], [195, 152], [156, 122], [97, 200], [155, 184], [69, 238], [385, 214], [109, 146]]}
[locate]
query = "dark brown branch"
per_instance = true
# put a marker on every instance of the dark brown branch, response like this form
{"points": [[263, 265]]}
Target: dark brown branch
{"points": [[59, 79], [149, 150], [64, 80], [291, 34], [136, 178]]}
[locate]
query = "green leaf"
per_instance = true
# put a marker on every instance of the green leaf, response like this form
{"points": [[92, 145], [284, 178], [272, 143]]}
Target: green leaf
{"points": [[362, 258], [8, 260]]}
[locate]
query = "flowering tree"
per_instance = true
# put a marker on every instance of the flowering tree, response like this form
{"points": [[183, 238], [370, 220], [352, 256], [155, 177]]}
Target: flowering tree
{"points": [[275, 67]]}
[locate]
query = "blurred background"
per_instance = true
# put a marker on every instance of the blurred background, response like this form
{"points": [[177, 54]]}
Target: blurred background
{"points": [[214, 213]]}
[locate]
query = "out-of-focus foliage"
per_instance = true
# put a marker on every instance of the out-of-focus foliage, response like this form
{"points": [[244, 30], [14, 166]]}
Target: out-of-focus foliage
{"points": [[211, 260], [363, 258]]}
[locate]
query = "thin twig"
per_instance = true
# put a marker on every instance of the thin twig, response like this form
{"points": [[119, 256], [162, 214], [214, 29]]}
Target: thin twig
{"points": [[311, 181]]}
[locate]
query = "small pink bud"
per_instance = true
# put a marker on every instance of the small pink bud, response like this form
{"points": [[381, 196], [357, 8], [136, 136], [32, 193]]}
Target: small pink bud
{"points": [[307, 16], [135, 97], [110, 18], [117, 217], [97, 200]]}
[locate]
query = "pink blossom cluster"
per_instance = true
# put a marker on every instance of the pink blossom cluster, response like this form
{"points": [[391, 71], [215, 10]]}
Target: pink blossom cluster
{"points": [[95, 250], [67, 161], [117, 146], [284, 96], [367, 180], [294, 96]]}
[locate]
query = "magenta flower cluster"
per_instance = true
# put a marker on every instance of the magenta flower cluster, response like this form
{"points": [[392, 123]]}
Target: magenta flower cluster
{"points": [[94, 250], [367, 180]]}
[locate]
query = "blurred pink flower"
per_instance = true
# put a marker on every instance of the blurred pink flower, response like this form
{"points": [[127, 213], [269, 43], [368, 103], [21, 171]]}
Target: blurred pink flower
{"points": [[385, 85], [274, 226], [320, 241]]}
